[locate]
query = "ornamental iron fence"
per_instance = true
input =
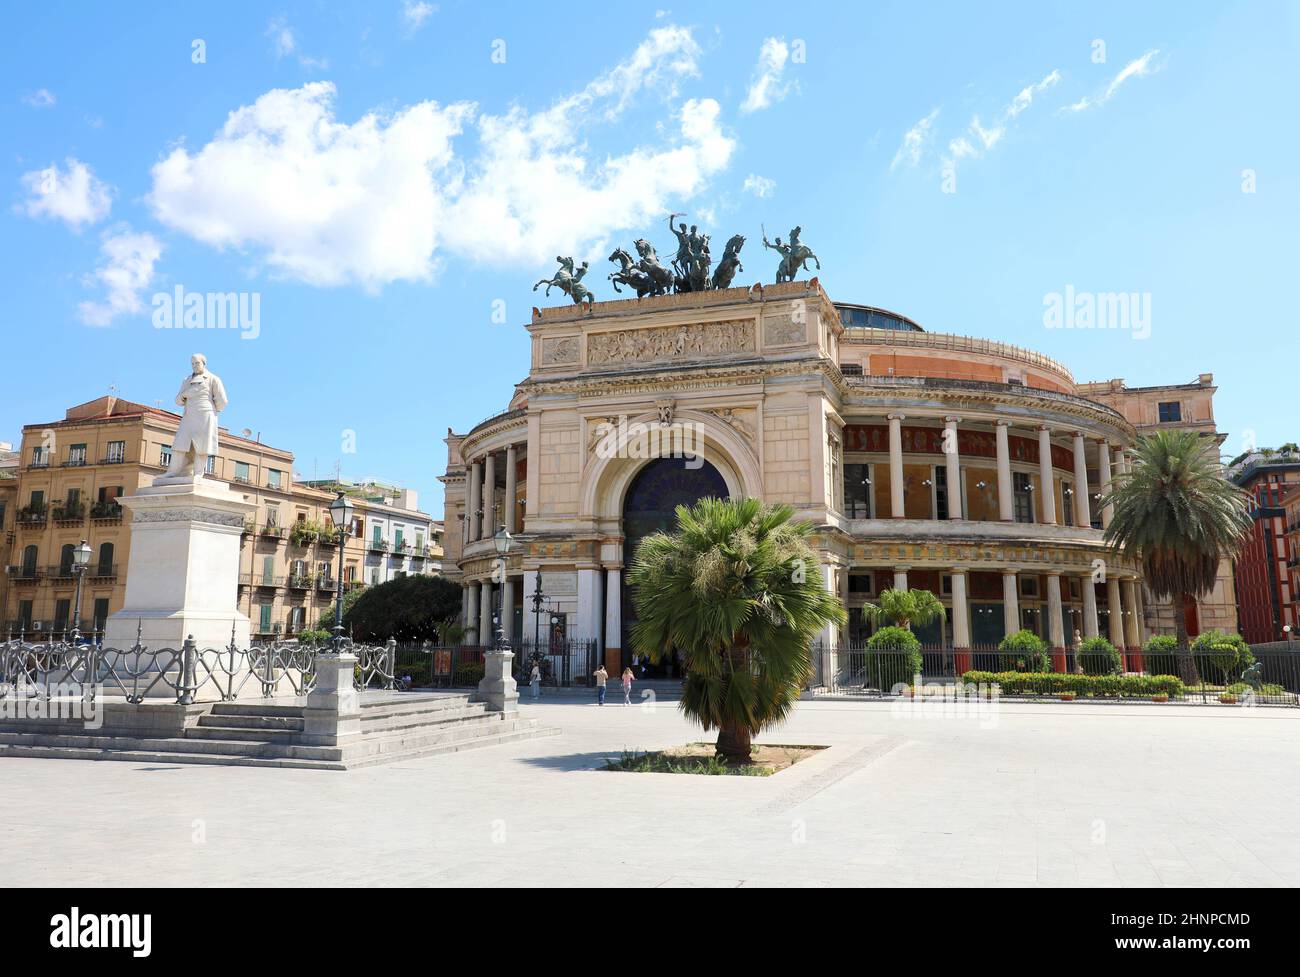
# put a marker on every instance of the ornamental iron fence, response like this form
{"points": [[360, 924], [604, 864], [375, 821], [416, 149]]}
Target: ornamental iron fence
{"points": [[180, 674], [562, 663]]}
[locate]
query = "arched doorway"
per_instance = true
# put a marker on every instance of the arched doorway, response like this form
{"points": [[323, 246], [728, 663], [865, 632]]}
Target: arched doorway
{"points": [[649, 507]]}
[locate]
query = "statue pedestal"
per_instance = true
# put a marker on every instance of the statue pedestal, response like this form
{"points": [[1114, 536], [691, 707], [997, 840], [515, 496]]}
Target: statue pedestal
{"points": [[497, 688], [183, 568]]}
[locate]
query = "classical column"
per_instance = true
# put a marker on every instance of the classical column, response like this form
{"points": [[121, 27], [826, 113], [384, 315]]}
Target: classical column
{"points": [[960, 622], [952, 462], [613, 613], [1121, 461], [1082, 510], [486, 635], [1010, 603], [475, 502], [489, 495], [1048, 484], [829, 639], [900, 578], [1103, 472], [896, 509], [512, 465], [1090, 626], [1006, 492], [589, 609], [508, 608], [1055, 625], [471, 609], [1132, 637], [1116, 612]]}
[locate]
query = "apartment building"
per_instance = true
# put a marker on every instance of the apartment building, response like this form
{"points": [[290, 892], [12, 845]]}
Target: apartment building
{"points": [[70, 474]]}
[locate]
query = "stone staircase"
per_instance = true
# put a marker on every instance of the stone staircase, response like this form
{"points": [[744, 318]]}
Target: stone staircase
{"points": [[394, 726]]}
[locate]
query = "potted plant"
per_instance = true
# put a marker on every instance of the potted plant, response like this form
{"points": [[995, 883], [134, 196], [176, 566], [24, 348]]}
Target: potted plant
{"points": [[1228, 699], [1066, 696], [1160, 697]]}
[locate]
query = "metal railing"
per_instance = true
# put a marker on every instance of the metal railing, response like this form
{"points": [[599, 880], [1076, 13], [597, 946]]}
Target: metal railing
{"points": [[563, 664], [180, 674]]}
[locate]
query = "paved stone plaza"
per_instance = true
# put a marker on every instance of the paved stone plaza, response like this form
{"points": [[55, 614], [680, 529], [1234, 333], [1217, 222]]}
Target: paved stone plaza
{"points": [[1046, 794]]}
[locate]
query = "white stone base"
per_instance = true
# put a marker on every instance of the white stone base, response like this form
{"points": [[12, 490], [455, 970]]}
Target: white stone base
{"points": [[183, 569]]}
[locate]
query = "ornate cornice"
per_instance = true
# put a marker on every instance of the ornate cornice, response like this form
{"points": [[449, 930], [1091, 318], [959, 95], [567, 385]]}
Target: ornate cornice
{"points": [[212, 517]]}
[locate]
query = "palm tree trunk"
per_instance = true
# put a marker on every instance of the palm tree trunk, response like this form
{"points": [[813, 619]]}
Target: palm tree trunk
{"points": [[734, 739], [734, 745], [1183, 653]]}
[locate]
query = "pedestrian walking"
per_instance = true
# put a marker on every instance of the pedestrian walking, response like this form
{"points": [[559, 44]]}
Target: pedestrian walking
{"points": [[601, 677], [627, 686], [535, 680]]}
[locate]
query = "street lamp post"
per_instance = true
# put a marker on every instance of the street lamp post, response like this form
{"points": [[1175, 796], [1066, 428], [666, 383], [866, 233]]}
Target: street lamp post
{"points": [[539, 600], [504, 543], [341, 515], [80, 561]]}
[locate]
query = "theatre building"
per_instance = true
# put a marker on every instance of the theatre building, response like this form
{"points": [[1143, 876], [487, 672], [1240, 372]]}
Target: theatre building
{"points": [[968, 467]]}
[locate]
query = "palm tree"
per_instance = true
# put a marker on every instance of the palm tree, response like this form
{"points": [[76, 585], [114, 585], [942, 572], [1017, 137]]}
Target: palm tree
{"points": [[906, 607], [737, 591], [1178, 517]]}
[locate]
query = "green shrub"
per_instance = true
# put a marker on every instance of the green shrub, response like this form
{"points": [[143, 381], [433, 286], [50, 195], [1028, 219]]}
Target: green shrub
{"points": [[1266, 688], [419, 672], [1229, 653], [1092, 686], [893, 658], [469, 673], [317, 636], [1097, 656], [1158, 655], [1024, 651]]}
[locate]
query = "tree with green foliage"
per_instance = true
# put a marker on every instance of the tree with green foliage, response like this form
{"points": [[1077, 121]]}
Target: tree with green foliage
{"points": [[1024, 651], [905, 608], [1097, 656], [736, 590], [1178, 518], [407, 609]]}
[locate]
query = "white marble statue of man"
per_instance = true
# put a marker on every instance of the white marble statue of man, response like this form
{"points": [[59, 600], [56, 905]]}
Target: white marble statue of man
{"points": [[203, 397]]}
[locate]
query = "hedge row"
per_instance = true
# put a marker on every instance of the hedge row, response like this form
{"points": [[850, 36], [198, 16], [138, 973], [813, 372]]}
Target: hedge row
{"points": [[1102, 686]]}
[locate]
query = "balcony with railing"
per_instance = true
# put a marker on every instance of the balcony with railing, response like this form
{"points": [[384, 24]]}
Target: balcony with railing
{"points": [[325, 584], [106, 512], [300, 581], [377, 545], [61, 571], [102, 571], [69, 513], [23, 574], [272, 534], [32, 516]]}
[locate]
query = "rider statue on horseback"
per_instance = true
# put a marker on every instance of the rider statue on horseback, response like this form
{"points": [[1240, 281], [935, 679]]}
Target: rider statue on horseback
{"points": [[794, 256], [568, 281]]}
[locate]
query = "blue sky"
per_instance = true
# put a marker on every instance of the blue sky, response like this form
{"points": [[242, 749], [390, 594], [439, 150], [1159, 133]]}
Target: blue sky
{"points": [[384, 177]]}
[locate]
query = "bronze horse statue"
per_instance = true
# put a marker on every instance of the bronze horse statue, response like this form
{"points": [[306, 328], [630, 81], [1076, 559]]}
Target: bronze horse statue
{"points": [[568, 281], [730, 262], [630, 274]]}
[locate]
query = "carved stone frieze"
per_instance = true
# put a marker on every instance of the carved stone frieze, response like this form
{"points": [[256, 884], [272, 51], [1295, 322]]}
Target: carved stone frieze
{"points": [[689, 341]]}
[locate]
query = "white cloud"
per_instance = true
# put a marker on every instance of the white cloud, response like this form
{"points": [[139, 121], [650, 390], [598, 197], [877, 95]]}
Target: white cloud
{"points": [[1137, 68], [978, 139], [75, 195], [377, 200], [284, 43], [126, 269], [759, 186], [326, 201], [415, 13], [915, 141], [766, 85], [42, 98]]}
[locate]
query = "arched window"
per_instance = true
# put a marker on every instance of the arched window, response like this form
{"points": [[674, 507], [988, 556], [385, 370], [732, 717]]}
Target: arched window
{"points": [[105, 565], [29, 561], [65, 560]]}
